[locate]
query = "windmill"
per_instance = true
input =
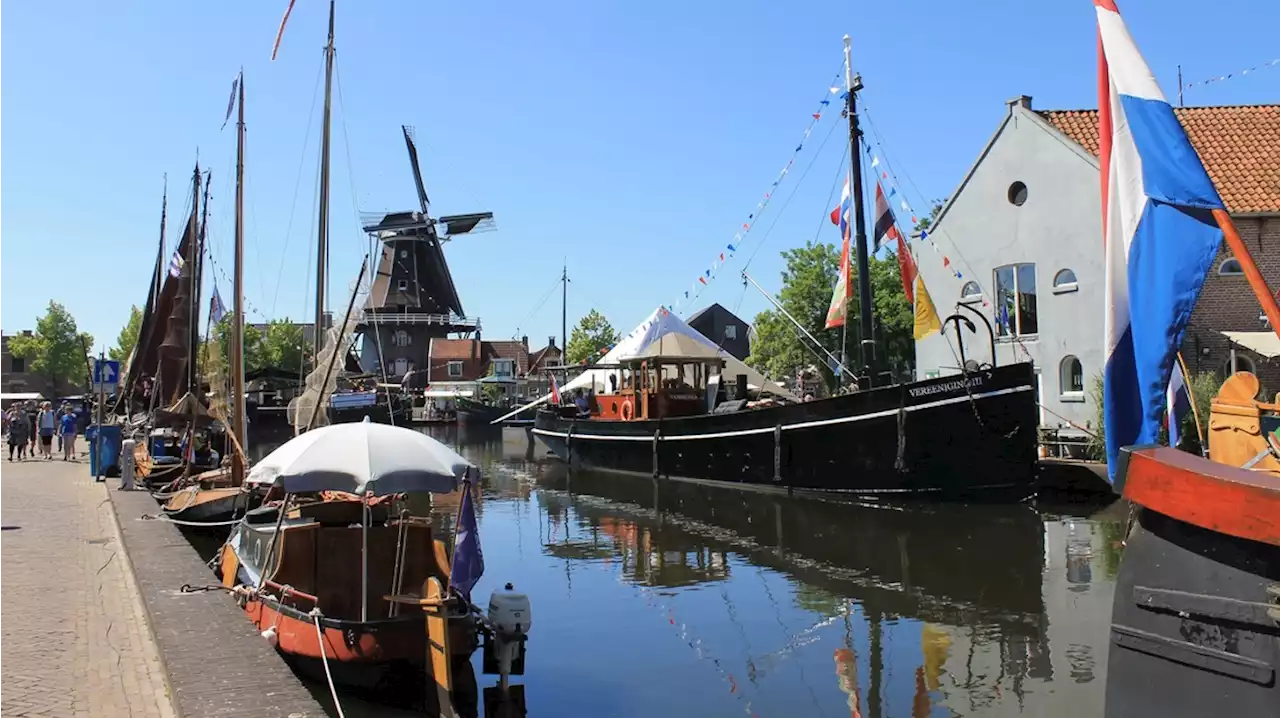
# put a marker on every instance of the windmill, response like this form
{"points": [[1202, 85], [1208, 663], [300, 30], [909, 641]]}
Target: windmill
{"points": [[413, 298]]}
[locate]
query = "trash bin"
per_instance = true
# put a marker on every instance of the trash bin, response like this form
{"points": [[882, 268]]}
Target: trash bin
{"points": [[104, 449]]}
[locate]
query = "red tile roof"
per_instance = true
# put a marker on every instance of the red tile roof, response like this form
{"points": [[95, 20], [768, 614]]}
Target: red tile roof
{"points": [[1240, 148], [453, 349], [509, 350]]}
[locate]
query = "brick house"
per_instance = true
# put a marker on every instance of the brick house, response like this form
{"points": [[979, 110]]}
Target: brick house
{"points": [[459, 365], [1240, 148], [16, 376], [550, 355], [1022, 234]]}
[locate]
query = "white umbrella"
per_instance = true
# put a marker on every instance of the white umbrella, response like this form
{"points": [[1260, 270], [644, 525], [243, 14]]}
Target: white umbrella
{"points": [[362, 458]]}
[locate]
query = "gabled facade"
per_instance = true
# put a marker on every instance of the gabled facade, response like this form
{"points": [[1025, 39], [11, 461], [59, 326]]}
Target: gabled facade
{"points": [[1021, 238], [460, 365], [725, 329], [550, 355]]}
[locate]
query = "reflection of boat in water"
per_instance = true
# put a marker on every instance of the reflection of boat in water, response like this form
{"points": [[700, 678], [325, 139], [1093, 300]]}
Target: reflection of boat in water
{"points": [[954, 564]]}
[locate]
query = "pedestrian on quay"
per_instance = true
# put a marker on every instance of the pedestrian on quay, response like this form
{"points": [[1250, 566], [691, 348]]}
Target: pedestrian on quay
{"points": [[19, 432], [46, 422], [68, 433], [33, 413]]}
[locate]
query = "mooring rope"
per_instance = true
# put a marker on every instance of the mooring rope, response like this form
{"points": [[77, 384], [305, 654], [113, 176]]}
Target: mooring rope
{"points": [[324, 658], [166, 519]]}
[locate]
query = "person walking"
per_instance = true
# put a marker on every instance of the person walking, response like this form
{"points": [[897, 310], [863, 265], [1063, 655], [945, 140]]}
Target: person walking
{"points": [[19, 432], [46, 422], [33, 413], [68, 433]]}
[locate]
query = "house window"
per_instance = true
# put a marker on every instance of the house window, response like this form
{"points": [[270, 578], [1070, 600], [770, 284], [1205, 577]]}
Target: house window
{"points": [[1064, 281], [401, 338], [1015, 304], [731, 331], [455, 369], [1017, 194], [503, 367], [403, 285], [18, 365], [971, 291], [1071, 377], [1230, 268], [1243, 363]]}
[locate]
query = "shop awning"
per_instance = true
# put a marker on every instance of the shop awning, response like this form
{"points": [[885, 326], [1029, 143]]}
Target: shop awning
{"points": [[1266, 344]]}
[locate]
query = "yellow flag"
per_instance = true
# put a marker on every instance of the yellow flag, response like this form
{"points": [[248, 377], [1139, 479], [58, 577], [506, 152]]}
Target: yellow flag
{"points": [[926, 316]]}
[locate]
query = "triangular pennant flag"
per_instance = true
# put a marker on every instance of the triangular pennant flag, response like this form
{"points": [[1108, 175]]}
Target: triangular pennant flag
{"points": [[926, 319]]}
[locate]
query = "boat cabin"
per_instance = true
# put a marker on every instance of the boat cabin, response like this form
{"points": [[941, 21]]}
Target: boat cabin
{"points": [[669, 379]]}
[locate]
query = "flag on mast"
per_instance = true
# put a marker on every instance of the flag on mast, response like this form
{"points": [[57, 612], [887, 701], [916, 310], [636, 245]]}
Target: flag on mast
{"points": [[1177, 403], [217, 310], [886, 228], [231, 104], [1159, 233], [840, 296], [927, 321], [176, 263], [280, 33]]}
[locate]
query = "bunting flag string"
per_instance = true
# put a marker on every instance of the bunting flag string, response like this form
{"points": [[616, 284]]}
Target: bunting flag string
{"points": [[1241, 73], [704, 280]]}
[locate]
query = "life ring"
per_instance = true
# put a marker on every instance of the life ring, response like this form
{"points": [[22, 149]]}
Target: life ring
{"points": [[628, 409]]}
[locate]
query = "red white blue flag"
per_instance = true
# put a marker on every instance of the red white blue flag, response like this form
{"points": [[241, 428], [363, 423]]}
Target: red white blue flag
{"points": [[840, 295], [885, 223], [555, 390], [1159, 232]]}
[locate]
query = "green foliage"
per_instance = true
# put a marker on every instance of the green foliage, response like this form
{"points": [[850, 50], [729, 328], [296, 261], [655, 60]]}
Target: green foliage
{"points": [[935, 208], [1203, 387], [592, 334], [128, 337], [282, 346], [55, 350], [810, 275]]}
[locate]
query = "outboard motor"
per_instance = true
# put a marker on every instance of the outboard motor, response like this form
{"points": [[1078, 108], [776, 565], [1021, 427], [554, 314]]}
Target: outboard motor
{"points": [[510, 617]]}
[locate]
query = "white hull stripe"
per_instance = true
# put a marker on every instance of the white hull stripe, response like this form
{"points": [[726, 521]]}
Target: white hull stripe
{"points": [[789, 427]]}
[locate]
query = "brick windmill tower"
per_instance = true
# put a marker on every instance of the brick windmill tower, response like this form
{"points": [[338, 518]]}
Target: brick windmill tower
{"points": [[414, 299]]}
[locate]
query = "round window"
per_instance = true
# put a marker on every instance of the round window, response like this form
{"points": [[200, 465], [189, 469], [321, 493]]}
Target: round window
{"points": [[1017, 194]]}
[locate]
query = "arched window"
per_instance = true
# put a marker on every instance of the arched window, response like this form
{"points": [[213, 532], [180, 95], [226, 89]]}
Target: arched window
{"points": [[401, 338], [1071, 376], [1243, 363], [1230, 267], [971, 290], [1064, 281]]}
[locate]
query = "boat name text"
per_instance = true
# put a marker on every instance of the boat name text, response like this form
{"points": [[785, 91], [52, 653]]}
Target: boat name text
{"points": [[970, 383]]}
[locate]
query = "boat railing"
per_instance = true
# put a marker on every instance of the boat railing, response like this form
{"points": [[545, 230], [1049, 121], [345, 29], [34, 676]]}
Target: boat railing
{"points": [[286, 591]]}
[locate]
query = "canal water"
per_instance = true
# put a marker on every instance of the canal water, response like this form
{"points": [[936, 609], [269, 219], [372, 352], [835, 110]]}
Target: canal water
{"points": [[653, 597]]}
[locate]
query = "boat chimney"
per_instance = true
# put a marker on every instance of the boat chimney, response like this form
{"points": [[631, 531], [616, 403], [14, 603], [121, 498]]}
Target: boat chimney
{"points": [[551, 341], [740, 387], [525, 341]]}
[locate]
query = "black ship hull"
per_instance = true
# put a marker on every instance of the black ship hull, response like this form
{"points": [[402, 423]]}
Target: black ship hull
{"points": [[398, 413], [474, 413], [971, 437]]}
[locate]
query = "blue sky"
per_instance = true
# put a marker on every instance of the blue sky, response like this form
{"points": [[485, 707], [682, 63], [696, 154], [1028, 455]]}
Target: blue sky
{"points": [[632, 139]]}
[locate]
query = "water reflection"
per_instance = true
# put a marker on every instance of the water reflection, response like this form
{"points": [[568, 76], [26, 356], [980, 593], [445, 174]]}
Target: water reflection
{"points": [[666, 598]]}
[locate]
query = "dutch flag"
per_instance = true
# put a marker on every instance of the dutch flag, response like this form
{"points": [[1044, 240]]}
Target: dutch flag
{"points": [[1160, 236]]}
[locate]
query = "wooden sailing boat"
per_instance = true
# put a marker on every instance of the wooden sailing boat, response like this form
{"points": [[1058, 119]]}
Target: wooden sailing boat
{"points": [[220, 495], [971, 436]]}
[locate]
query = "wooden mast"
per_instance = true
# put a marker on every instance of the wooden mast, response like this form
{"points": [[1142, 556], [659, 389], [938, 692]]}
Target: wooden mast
{"points": [[322, 239], [853, 83], [237, 318]]}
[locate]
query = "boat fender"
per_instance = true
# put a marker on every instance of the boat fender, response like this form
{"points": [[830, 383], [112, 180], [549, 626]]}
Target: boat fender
{"points": [[272, 636], [628, 409]]}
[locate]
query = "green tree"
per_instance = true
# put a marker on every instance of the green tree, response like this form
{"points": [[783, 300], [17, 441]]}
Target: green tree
{"points": [[935, 208], [592, 334], [282, 346], [56, 350], [128, 337], [780, 348], [255, 353]]}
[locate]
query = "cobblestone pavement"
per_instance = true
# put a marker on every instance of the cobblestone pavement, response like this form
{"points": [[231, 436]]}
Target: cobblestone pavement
{"points": [[74, 640]]}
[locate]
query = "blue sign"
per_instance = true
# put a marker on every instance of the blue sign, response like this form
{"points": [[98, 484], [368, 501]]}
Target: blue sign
{"points": [[106, 372]]}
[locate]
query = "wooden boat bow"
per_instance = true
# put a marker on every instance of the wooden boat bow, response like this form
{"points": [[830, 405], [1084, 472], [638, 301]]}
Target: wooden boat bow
{"points": [[1230, 500]]}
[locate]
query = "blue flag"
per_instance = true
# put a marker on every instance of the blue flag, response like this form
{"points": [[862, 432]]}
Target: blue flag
{"points": [[217, 310], [468, 559]]}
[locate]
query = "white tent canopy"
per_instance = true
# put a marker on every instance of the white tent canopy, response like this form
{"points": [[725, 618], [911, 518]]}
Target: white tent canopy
{"points": [[648, 340], [1266, 344]]}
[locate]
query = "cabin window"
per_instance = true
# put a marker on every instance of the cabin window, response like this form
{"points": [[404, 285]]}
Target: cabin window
{"points": [[1064, 281], [1071, 377], [1243, 363], [455, 369], [1230, 268], [402, 285], [17, 365], [503, 367], [970, 291], [401, 338], [1015, 305], [731, 331]]}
